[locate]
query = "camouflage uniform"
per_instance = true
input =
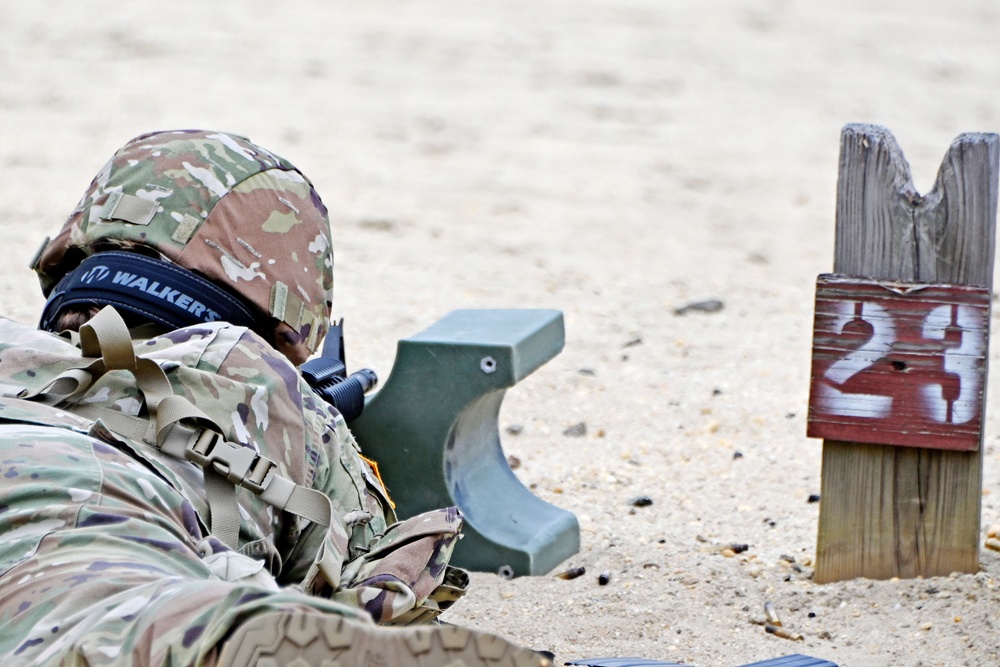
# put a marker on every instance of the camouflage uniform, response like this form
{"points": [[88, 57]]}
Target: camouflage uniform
{"points": [[118, 529], [106, 555]]}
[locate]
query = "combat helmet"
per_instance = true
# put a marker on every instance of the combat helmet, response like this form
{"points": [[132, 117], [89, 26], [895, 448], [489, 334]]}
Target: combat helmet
{"points": [[190, 226]]}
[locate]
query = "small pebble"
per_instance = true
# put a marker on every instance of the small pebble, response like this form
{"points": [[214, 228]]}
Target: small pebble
{"points": [[813, 498], [739, 548], [576, 430], [707, 306], [515, 429], [603, 578], [641, 501], [737, 455], [993, 543], [635, 341], [993, 530], [513, 462]]}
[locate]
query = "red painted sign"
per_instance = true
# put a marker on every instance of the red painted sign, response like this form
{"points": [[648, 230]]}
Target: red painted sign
{"points": [[899, 363]]}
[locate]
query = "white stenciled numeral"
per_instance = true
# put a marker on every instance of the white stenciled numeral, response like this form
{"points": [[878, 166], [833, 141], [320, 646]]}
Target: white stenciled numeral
{"points": [[871, 406], [961, 361]]}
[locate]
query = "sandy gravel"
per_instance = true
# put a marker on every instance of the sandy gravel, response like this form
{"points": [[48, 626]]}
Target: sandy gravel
{"points": [[614, 160]]}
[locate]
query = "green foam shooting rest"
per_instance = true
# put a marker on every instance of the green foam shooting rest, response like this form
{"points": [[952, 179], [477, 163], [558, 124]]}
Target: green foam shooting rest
{"points": [[433, 429]]}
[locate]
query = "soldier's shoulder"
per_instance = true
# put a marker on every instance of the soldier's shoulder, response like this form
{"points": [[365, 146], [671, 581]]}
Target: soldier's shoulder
{"points": [[31, 358], [250, 355], [15, 334], [213, 346]]}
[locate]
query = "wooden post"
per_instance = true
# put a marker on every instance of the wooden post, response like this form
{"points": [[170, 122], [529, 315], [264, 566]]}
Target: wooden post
{"points": [[895, 511]]}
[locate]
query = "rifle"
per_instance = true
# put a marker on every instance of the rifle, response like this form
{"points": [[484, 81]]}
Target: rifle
{"points": [[327, 375]]}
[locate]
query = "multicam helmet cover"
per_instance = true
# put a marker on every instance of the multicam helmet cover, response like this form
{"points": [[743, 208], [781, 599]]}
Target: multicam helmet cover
{"points": [[220, 206]]}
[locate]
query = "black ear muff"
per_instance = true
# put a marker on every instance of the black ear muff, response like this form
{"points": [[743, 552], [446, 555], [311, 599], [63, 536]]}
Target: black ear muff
{"points": [[150, 288]]}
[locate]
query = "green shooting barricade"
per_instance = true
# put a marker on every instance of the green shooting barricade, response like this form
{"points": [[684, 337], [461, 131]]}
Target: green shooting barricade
{"points": [[433, 428]]}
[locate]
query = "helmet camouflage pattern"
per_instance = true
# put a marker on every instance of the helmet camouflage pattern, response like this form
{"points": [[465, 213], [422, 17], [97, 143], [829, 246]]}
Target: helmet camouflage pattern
{"points": [[222, 207]]}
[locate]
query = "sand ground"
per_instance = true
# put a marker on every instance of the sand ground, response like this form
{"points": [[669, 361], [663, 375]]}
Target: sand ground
{"points": [[613, 160]]}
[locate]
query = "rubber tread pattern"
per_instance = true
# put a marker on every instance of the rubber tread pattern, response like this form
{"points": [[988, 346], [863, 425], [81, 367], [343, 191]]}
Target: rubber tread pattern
{"points": [[315, 640]]}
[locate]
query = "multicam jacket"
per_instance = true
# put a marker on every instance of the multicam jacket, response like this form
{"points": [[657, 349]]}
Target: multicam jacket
{"points": [[394, 571]]}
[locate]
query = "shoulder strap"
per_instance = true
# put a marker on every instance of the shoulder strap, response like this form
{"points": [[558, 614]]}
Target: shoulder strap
{"points": [[178, 428]]}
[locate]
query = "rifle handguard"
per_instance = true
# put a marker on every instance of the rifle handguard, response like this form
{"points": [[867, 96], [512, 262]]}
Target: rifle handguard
{"points": [[327, 375]]}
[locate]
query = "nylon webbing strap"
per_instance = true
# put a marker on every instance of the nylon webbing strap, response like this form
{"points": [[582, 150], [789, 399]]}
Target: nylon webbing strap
{"points": [[153, 382], [224, 511], [136, 428], [105, 330], [66, 385], [174, 409], [290, 309], [311, 504], [233, 464], [178, 428], [286, 306], [69, 383], [106, 336], [129, 208], [244, 467]]}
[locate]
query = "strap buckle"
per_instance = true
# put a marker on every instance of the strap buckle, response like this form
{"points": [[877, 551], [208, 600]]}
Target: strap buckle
{"points": [[239, 465], [244, 467]]}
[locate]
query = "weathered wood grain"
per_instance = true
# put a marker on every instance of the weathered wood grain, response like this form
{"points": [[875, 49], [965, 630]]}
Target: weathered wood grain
{"points": [[897, 511], [899, 363]]}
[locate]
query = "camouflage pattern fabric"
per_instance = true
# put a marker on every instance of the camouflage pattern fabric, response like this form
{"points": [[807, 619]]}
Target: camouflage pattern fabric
{"points": [[218, 205], [105, 557]]}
